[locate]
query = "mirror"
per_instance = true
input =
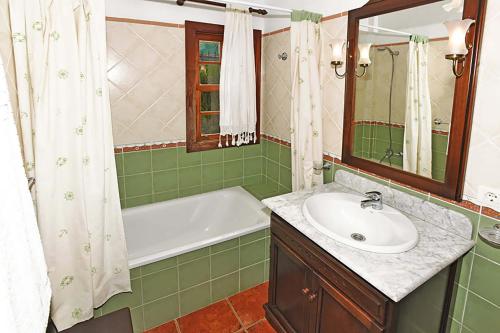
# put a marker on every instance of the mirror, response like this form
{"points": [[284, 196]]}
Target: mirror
{"points": [[408, 97], [404, 101]]}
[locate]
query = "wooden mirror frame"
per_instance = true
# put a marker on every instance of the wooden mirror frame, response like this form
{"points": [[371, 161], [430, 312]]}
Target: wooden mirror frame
{"points": [[463, 102]]}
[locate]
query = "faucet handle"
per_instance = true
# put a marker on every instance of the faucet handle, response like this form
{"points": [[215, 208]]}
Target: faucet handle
{"points": [[374, 195]]}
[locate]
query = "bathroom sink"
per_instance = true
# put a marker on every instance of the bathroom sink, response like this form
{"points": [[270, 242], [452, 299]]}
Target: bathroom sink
{"points": [[340, 216]]}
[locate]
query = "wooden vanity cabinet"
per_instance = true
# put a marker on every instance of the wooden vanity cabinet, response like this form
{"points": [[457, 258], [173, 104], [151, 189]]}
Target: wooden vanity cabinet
{"points": [[312, 292]]}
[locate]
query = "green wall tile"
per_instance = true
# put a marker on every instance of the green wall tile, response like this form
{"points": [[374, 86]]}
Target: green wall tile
{"points": [[266, 269], [161, 311], [137, 162], [194, 272], [233, 182], [252, 253], [483, 248], [125, 300], [225, 286], [252, 180], [233, 153], [194, 298], [164, 181], [232, 243], [463, 269], [285, 156], [159, 265], [484, 279], [252, 276], [189, 177], [224, 263], [212, 173], [212, 156], [458, 302], [252, 151], [285, 177], [253, 166], [481, 316], [189, 256], [267, 247], [135, 273], [273, 152], [164, 159], [139, 201], [137, 319], [119, 164], [252, 237], [164, 196], [160, 284], [233, 169], [211, 187], [186, 159], [137, 185], [187, 192], [273, 170]]}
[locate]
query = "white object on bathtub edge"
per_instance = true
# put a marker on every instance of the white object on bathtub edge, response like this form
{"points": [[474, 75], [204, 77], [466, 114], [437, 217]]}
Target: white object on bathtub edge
{"points": [[24, 284], [166, 229]]}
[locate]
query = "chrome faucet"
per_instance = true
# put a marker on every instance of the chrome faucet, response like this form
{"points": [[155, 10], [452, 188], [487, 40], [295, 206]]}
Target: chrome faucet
{"points": [[374, 200]]}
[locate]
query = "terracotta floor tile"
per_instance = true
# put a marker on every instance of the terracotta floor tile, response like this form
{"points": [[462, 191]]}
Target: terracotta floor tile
{"points": [[165, 328], [261, 327], [249, 304], [216, 318]]}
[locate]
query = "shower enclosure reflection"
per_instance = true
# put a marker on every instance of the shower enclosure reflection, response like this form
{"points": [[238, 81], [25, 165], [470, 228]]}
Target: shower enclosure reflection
{"points": [[404, 103]]}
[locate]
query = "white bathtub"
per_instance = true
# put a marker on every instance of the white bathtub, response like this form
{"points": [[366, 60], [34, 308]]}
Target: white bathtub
{"points": [[166, 229]]}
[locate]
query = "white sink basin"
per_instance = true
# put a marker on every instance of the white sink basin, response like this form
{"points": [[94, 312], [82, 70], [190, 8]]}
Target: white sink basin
{"points": [[340, 216]]}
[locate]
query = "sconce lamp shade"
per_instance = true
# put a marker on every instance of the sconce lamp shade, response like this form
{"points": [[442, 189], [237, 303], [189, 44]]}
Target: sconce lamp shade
{"points": [[456, 31], [364, 54], [338, 50]]}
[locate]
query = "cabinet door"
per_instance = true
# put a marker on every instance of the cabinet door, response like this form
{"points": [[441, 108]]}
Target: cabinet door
{"points": [[290, 284], [336, 313]]}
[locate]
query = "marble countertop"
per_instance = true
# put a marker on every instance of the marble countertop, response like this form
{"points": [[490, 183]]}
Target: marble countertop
{"points": [[395, 275]]}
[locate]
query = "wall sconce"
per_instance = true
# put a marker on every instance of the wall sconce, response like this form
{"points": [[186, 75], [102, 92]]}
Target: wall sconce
{"points": [[338, 47], [457, 31]]}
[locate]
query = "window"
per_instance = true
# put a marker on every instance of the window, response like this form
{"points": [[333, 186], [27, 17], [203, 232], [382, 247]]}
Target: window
{"points": [[203, 61]]}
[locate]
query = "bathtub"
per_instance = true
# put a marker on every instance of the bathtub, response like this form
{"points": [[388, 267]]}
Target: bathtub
{"points": [[166, 229]]}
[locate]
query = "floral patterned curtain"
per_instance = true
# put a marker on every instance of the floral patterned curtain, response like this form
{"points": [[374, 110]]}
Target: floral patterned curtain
{"points": [[306, 119], [60, 57], [417, 149]]}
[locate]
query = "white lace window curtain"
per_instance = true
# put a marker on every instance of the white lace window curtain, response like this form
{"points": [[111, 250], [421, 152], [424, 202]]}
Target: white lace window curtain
{"points": [[417, 149], [238, 109], [306, 117], [60, 59]]}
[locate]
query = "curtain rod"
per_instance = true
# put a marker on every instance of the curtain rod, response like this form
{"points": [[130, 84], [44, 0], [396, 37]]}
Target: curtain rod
{"points": [[251, 9], [385, 29]]}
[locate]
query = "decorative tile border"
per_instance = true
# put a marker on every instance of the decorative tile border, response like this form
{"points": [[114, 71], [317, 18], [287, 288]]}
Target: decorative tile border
{"points": [[129, 20]]}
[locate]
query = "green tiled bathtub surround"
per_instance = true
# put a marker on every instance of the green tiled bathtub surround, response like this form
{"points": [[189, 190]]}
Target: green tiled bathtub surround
{"points": [[176, 286], [277, 166], [476, 300], [372, 140], [163, 174]]}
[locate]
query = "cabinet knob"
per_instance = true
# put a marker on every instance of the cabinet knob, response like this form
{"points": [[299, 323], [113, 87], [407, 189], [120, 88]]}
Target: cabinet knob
{"points": [[305, 291], [312, 297]]}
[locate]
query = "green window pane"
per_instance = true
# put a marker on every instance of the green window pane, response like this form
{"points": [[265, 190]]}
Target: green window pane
{"points": [[210, 124], [210, 101], [209, 51], [210, 74]]}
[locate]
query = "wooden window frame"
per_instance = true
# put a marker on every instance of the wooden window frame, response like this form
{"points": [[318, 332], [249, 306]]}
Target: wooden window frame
{"points": [[194, 32]]}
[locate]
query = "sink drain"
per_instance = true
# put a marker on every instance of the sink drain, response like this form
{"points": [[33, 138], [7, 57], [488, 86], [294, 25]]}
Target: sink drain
{"points": [[358, 237]]}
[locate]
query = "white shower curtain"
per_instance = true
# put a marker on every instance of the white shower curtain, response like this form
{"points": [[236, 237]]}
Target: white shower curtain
{"points": [[306, 118], [60, 57], [238, 110], [417, 149], [24, 284]]}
